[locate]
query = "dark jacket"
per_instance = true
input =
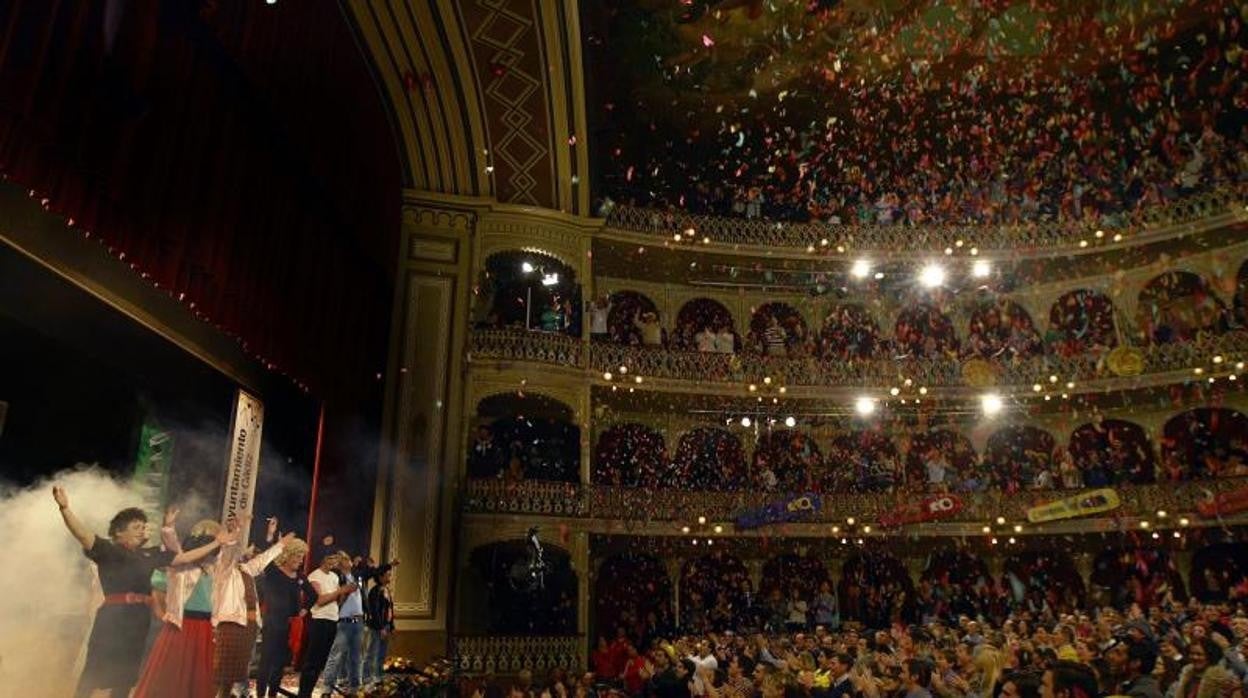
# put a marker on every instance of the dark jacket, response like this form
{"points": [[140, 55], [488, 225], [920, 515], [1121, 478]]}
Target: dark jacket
{"points": [[1145, 686]]}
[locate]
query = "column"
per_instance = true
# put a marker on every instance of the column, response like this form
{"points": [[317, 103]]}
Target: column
{"points": [[674, 566], [423, 419], [580, 564]]}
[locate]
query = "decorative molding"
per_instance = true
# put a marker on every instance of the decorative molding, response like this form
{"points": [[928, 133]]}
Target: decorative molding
{"points": [[433, 249], [432, 479]]}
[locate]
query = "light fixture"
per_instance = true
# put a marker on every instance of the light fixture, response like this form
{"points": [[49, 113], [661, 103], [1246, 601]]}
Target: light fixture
{"points": [[1144, 524], [684, 529], [701, 520], [987, 529], [790, 422], [866, 529], [1000, 520], [1161, 513], [1037, 387], [526, 267], [994, 541], [861, 269], [991, 404], [1011, 541], [550, 279], [745, 422], [1018, 528], [932, 275], [623, 369], [719, 529], [606, 376], [981, 269], [836, 529], [879, 275], [864, 406], [1184, 521], [850, 521], [895, 392], [922, 390]]}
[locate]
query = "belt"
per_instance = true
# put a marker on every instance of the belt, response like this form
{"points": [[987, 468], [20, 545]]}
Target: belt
{"points": [[352, 619], [196, 615], [126, 599]]}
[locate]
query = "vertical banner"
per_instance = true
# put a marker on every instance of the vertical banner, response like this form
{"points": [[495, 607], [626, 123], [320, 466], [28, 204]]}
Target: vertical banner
{"points": [[244, 459], [151, 468]]}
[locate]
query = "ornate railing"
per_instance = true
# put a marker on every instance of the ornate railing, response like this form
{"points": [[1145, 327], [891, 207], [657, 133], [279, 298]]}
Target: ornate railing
{"points": [[640, 506], [508, 655], [876, 373], [530, 345], [1154, 222]]}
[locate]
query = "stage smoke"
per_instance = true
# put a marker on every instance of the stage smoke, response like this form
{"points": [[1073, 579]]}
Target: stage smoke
{"points": [[48, 586]]}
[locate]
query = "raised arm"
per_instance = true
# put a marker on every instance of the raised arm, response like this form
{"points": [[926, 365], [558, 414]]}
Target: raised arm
{"points": [[224, 538], [256, 565], [75, 526]]}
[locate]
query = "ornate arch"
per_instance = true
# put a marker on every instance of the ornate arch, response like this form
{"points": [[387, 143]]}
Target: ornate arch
{"points": [[626, 307], [525, 438], [709, 584], [1177, 305], [849, 332], [630, 455], [705, 312], [791, 456], [863, 461], [1113, 450], [924, 331], [1082, 319], [1002, 327], [515, 605], [955, 451], [709, 458], [790, 320], [1204, 442], [1017, 453], [629, 590]]}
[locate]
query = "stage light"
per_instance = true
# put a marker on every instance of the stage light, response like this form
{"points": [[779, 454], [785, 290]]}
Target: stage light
{"points": [[790, 422], [932, 276], [861, 269], [550, 279], [864, 406], [745, 422], [526, 267], [991, 404]]}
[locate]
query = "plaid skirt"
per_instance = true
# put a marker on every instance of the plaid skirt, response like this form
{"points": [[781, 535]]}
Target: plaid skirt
{"points": [[231, 659]]}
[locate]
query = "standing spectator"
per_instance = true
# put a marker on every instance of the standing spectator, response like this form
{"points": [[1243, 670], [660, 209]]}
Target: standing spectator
{"points": [[706, 340], [599, 310], [775, 338], [725, 340], [380, 621], [651, 331]]}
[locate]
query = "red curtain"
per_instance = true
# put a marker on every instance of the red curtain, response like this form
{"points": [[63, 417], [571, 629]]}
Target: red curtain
{"points": [[235, 152]]}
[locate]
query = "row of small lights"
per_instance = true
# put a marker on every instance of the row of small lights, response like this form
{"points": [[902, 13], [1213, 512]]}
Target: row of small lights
{"points": [[987, 529], [690, 235]]}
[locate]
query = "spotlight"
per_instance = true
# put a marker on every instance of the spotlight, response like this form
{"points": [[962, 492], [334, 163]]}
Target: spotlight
{"points": [[932, 275], [745, 422], [864, 406], [790, 422], [991, 404], [526, 267], [981, 269], [550, 279], [861, 269]]}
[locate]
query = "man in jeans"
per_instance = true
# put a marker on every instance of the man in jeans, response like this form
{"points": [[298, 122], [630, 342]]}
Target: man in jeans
{"points": [[350, 636], [325, 613], [379, 621]]}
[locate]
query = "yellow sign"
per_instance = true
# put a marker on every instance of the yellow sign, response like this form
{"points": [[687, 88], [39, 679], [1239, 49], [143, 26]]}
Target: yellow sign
{"points": [[1085, 504]]}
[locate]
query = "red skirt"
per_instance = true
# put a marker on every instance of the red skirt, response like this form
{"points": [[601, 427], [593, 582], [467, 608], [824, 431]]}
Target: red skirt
{"points": [[180, 663]]}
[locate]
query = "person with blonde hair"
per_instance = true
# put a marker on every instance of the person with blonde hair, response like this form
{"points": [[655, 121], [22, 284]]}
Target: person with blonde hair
{"points": [[989, 663], [281, 586]]}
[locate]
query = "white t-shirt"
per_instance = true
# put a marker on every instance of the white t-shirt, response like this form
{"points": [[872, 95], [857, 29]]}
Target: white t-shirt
{"points": [[326, 583], [726, 342], [598, 319]]}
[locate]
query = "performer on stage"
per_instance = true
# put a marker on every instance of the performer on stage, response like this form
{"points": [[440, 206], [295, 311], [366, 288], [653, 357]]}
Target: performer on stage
{"points": [[280, 589], [180, 662], [235, 608], [115, 649]]}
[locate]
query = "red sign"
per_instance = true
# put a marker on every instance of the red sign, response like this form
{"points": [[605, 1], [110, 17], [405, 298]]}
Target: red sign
{"points": [[933, 508], [1224, 504]]}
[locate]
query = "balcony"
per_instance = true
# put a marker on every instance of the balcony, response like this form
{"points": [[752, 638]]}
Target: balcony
{"points": [[695, 367], [489, 655], [1202, 211], [488, 496]]}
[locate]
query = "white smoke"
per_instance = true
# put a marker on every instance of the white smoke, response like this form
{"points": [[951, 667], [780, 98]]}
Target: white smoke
{"points": [[48, 587]]}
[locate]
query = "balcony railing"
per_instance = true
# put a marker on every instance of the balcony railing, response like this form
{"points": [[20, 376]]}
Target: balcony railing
{"points": [[657, 362], [484, 655], [1154, 222], [645, 505]]}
